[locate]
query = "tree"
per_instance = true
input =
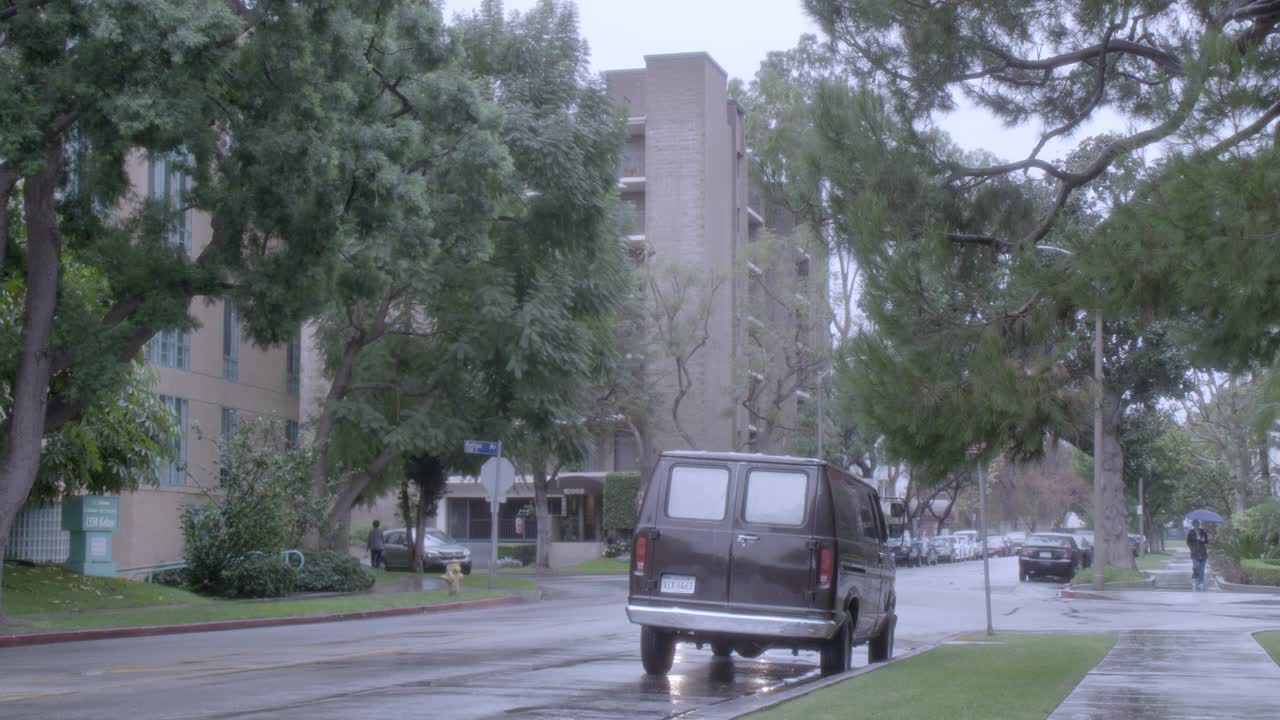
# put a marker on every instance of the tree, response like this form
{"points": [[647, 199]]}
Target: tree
{"points": [[557, 272], [1037, 495], [681, 301], [1221, 420], [89, 86]]}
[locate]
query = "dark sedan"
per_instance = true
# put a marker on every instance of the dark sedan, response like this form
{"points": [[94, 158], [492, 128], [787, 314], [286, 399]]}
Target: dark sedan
{"points": [[438, 550], [1049, 554]]}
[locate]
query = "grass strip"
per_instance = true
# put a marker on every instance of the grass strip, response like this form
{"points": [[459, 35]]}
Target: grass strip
{"points": [[51, 589], [1021, 676], [1154, 561], [1270, 641], [477, 580], [222, 610], [1110, 573]]}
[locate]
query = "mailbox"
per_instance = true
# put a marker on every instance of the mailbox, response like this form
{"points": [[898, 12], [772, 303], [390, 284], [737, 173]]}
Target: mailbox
{"points": [[91, 519]]}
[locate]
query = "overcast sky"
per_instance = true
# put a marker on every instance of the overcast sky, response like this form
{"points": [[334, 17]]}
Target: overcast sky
{"points": [[738, 34]]}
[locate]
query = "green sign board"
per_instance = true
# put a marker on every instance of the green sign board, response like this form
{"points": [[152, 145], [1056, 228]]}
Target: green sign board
{"points": [[90, 520]]}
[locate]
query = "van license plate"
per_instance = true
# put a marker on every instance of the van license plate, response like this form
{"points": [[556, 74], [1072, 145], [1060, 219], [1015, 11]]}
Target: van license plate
{"points": [[680, 584], [1046, 554]]}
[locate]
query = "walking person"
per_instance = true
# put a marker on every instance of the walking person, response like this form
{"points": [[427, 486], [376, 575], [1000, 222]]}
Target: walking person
{"points": [[1198, 543], [375, 545]]}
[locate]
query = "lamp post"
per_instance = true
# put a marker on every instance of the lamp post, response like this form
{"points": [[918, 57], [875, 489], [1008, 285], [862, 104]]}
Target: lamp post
{"points": [[821, 375], [1099, 538]]}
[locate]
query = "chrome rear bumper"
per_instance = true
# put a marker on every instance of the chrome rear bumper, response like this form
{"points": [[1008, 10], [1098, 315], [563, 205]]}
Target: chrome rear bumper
{"points": [[729, 623]]}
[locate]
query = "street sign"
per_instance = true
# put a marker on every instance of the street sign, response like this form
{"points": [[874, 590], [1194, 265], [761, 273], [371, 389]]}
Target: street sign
{"points": [[519, 525], [501, 471], [480, 447], [975, 448]]}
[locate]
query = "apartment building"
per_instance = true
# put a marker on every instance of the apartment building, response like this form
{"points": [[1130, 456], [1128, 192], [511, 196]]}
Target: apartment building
{"points": [[211, 378]]}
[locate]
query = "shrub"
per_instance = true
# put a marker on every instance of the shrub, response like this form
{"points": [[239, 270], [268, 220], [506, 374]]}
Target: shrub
{"points": [[526, 553], [330, 571], [619, 549], [621, 496], [259, 576], [1260, 573], [173, 577]]}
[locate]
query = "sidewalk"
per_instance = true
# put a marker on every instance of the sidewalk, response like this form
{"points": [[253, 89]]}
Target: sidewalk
{"points": [[1159, 675]]}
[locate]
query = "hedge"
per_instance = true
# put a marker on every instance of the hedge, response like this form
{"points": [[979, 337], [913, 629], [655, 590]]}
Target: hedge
{"points": [[526, 553], [621, 494], [1261, 572]]}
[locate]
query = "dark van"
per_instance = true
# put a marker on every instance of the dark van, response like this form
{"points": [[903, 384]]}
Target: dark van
{"points": [[747, 552]]}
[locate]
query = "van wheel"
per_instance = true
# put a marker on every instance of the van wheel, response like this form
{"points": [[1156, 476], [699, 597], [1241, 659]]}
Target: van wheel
{"points": [[880, 648], [750, 650], [657, 650], [721, 648], [837, 653]]}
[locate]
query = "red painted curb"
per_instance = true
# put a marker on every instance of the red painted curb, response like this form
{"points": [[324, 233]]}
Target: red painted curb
{"points": [[44, 638]]}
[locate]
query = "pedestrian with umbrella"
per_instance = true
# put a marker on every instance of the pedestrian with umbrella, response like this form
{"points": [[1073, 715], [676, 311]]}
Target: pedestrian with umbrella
{"points": [[1198, 543]]}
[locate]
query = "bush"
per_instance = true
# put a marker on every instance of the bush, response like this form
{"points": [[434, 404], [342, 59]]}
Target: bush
{"points": [[621, 497], [526, 553], [259, 576], [173, 577], [1260, 573], [330, 571], [619, 549]]}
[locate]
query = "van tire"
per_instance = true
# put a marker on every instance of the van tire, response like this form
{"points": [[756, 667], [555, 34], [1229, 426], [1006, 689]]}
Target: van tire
{"points": [[657, 650], [837, 653], [880, 649], [721, 648]]}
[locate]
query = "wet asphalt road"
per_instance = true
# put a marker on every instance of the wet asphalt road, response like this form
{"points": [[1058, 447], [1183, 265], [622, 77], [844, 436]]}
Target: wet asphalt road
{"points": [[571, 655]]}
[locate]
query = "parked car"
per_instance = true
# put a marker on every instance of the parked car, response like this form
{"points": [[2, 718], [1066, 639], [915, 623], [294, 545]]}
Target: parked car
{"points": [[944, 547], [1085, 541], [438, 550], [1138, 544], [1056, 554], [904, 553], [1015, 540], [748, 552], [996, 546]]}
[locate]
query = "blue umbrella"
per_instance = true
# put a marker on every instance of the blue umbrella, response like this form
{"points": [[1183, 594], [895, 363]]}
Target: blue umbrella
{"points": [[1204, 516]]}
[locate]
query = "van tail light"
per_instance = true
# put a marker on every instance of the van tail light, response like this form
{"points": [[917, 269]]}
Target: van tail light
{"points": [[640, 554], [1067, 554], [826, 561]]}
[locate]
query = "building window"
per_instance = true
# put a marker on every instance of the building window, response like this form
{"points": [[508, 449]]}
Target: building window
{"points": [[230, 420], [293, 365], [174, 472], [169, 348], [625, 453], [291, 434], [168, 185], [230, 340], [37, 536]]}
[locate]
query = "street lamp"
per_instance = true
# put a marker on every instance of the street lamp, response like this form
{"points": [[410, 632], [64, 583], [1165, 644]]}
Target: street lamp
{"points": [[1099, 538], [821, 375]]}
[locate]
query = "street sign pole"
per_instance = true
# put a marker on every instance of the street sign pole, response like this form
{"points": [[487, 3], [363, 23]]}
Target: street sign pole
{"points": [[977, 449], [493, 520], [982, 520]]}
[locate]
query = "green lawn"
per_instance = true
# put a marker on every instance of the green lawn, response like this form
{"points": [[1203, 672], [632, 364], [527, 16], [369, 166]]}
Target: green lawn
{"points": [[599, 565], [1270, 640], [477, 580], [1110, 573], [223, 610], [1261, 572], [48, 597], [1020, 676], [1154, 560], [50, 589]]}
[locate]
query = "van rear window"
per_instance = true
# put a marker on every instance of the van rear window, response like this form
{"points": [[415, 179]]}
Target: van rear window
{"points": [[776, 498], [698, 493]]}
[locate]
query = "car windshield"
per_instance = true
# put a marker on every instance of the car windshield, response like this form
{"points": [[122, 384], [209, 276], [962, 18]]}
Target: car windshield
{"points": [[437, 537], [1055, 540]]}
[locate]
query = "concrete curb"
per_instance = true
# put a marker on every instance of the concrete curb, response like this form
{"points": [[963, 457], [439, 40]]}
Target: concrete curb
{"points": [[59, 636], [1242, 588]]}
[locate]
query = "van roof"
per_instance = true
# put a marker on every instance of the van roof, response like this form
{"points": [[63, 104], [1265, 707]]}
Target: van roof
{"points": [[741, 457]]}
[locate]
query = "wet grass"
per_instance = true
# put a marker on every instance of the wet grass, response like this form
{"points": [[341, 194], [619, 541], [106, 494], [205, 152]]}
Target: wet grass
{"points": [[1270, 641], [477, 580], [50, 589], [1015, 677], [1155, 560], [215, 610], [1110, 573]]}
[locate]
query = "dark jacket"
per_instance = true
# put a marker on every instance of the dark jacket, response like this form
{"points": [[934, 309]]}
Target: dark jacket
{"points": [[1198, 541], [375, 539]]}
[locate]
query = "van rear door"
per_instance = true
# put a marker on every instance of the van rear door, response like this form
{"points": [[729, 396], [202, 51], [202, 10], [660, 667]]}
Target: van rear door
{"points": [[774, 559], [691, 534]]}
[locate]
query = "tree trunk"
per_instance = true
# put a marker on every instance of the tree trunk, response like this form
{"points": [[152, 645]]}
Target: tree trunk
{"points": [[332, 535], [542, 551], [419, 528], [20, 448], [1112, 528]]}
